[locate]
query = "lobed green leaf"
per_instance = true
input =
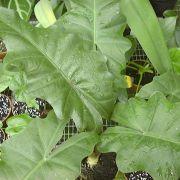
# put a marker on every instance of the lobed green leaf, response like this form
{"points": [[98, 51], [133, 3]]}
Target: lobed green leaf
{"points": [[147, 138]]}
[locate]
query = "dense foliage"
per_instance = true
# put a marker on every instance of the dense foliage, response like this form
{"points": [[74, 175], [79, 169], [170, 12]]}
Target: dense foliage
{"points": [[78, 66]]}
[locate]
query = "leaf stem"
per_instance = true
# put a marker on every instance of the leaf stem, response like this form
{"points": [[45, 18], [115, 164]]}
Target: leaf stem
{"points": [[139, 82]]}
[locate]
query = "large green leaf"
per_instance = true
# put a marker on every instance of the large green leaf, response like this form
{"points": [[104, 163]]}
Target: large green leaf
{"points": [[101, 25], [148, 137], [53, 65], [23, 7], [167, 83], [30, 155], [144, 25]]}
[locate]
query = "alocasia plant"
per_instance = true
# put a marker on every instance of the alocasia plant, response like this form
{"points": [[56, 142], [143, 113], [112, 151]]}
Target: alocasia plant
{"points": [[147, 137], [75, 65]]}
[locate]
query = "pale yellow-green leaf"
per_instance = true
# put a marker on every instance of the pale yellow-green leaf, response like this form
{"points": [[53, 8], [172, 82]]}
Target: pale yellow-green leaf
{"points": [[44, 13]]}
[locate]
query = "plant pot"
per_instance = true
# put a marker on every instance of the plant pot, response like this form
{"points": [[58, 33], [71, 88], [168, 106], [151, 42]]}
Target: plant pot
{"points": [[19, 108], [22, 108], [2, 50], [2, 136], [138, 175], [5, 107], [162, 5]]}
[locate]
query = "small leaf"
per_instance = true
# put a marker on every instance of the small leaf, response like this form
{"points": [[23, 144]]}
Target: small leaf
{"points": [[147, 138], [167, 83], [17, 123], [31, 155]]}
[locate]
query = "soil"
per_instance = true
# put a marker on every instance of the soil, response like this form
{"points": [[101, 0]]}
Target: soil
{"points": [[104, 170], [5, 107]]}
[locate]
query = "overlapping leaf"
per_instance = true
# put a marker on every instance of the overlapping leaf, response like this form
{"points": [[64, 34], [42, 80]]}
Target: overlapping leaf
{"points": [[23, 7], [148, 137], [167, 83], [30, 155], [101, 25], [54, 66]]}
